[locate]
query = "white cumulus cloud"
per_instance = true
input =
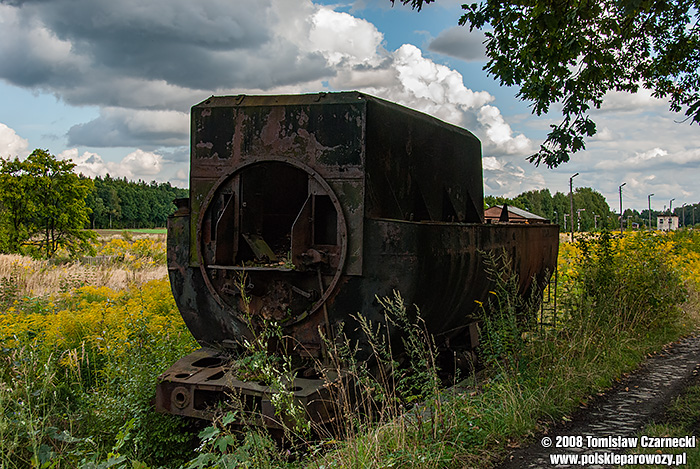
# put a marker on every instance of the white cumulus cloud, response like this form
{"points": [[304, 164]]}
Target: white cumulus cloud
{"points": [[344, 39], [138, 164], [501, 134], [492, 164], [145, 64], [11, 144], [142, 162]]}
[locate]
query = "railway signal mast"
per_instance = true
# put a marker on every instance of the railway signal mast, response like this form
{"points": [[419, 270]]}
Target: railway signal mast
{"points": [[621, 227], [571, 201]]}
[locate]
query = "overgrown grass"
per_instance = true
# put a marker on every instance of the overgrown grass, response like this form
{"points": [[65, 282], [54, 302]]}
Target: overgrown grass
{"points": [[621, 300], [79, 362], [79, 369], [105, 232]]}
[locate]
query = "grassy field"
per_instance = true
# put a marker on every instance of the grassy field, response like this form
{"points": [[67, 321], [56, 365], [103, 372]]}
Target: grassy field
{"points": [[82, 342], [131, 231]]}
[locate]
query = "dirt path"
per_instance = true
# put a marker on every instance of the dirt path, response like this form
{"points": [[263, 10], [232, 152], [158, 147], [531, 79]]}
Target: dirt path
{"points": [[623, 411]]}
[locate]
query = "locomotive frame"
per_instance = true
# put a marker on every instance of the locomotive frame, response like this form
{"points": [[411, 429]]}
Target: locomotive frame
{"points": [[324, 201]]}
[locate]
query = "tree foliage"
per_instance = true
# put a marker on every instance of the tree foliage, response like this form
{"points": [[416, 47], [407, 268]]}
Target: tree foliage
{"points": [[15, 206], [45, 206], [594, 210], [119, 203], [573, 53], [43, 203]]}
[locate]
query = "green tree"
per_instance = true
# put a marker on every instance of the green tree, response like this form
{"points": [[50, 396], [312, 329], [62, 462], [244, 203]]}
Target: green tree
{"points": [[631, 217], [61, 212], [119, 203], [492, 201], [112, 210], [573, 53], [560, 207], [596, 209], [594, 213], [15, 206], [537, 202], [43, 203], [97, 207]]}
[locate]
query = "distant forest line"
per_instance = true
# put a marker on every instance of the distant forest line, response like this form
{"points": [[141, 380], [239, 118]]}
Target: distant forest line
{"points": [[591, 211], [45, 207], [119, 203]]}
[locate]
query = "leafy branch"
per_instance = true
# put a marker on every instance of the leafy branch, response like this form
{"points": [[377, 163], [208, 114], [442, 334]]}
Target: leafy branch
{"points": [[573, 53]]}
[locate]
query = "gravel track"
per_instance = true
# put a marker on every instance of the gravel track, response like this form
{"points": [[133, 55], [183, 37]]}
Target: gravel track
{"points": [[638, 399]]}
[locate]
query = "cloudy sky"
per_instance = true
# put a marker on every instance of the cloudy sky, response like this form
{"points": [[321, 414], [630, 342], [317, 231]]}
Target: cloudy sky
{"points": [[109, 84]]}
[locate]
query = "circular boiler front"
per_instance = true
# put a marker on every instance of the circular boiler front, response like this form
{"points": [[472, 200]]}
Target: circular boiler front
{"points": [[272, 240]]}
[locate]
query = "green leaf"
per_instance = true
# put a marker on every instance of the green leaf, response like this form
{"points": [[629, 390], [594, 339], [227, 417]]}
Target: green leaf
{"points": [[209, 433], [573, 53], [230, 418]]}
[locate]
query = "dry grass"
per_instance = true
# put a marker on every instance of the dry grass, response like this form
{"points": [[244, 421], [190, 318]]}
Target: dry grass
{"points": [[691, 309], [38, 278]]}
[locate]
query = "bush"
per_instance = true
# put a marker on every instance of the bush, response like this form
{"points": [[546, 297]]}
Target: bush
{"points": [[625, 283]]}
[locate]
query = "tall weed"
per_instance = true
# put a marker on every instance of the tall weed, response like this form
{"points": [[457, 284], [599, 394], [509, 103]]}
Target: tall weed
{"points": [[505, 317], [621, 300], [624, 284], [76, 368]]}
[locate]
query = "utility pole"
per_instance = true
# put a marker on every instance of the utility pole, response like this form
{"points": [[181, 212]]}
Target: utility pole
{"points": [[578, 215], [571, 201], [683, 214], [670, 210], [595, 221], [621, 228], [649, 198]]}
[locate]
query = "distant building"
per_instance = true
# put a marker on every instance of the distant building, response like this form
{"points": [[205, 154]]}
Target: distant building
{"points": [[508, 214], [667, 223]]}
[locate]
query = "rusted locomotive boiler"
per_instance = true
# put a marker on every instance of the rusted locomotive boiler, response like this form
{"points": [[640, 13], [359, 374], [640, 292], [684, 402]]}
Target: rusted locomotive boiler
{"points": [[319, 203]]}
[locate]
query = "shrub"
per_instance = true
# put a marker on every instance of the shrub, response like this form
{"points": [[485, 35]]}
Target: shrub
{"points": [[625, 283]]}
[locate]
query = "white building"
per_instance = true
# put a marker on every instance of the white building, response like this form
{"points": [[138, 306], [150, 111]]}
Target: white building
{"points": [[667, 223]]}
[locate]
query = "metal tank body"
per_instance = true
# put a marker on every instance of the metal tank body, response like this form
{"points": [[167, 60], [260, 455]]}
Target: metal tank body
{"points": [[320, 203]]}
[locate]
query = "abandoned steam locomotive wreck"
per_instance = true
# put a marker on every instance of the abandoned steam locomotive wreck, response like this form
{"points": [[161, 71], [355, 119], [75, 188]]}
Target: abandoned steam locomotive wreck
{"points": [[321, 202]]}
